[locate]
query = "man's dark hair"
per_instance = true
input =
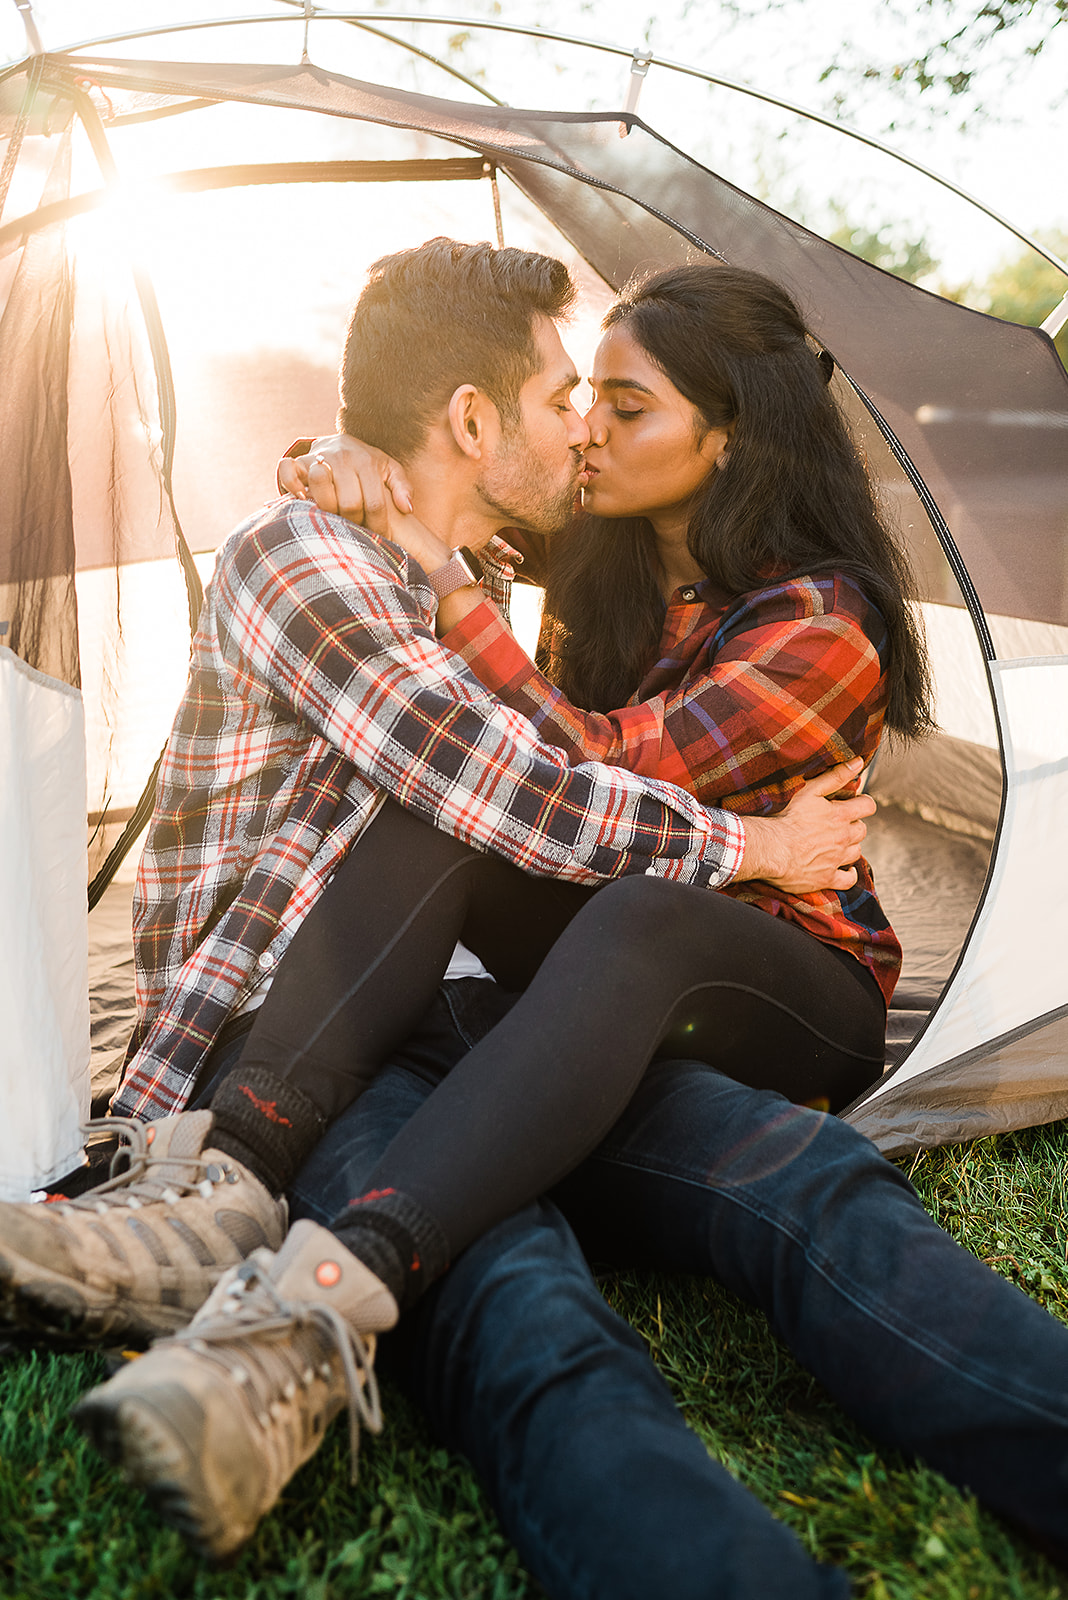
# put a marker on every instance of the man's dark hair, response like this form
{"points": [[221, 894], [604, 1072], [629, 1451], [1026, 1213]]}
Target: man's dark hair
{"points": [[434, 318]]}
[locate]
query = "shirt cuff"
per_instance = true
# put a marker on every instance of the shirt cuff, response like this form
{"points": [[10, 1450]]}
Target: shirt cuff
{"points": [[488, 646], [716, 866], [734, 846]]}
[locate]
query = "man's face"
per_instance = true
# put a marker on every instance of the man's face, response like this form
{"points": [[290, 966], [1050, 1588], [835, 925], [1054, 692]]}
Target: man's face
{"points": [[532, 473]]}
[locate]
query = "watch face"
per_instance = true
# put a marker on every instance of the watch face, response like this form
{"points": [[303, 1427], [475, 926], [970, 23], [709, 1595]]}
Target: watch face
{"points": [[471, 564]]}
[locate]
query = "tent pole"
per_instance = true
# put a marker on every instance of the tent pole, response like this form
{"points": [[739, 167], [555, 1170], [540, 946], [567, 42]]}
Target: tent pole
{"points": [[161, 359], [14, 145], [490, 172]]}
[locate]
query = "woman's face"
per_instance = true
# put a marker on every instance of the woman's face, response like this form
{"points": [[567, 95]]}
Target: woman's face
{"points": [[643, 457]]}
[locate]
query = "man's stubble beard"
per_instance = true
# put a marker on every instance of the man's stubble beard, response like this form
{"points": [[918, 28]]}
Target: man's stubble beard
{"points": [[510, 486]]}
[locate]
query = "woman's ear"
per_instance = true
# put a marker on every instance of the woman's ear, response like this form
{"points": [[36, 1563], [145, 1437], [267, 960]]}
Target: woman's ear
{"points": [[724, 451], [715, 447]]}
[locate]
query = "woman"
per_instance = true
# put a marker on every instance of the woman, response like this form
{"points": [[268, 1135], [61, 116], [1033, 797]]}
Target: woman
{"points": [[733, 581]]}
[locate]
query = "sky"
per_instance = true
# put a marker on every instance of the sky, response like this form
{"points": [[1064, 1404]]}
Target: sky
{"points": [[1009, 159]]}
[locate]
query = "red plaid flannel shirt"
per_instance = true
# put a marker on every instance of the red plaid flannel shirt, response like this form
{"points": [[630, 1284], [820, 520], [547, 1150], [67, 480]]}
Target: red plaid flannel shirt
{"points": [[748, 698], [316, 687]]}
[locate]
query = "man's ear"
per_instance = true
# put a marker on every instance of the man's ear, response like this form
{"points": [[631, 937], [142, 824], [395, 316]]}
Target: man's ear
{"points": [[471, 413]]}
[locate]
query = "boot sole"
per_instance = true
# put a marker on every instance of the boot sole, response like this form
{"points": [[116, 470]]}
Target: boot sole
{"points": [[48, 1305], [136, 1438]]}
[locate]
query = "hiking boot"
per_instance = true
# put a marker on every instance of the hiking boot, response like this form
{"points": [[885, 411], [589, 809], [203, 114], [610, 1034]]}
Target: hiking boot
{"points": [[135, 1257], [213, 1423]]}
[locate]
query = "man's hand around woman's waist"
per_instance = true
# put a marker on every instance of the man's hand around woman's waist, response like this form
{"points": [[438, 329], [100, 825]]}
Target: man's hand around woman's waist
{"points": [[811, 844]]}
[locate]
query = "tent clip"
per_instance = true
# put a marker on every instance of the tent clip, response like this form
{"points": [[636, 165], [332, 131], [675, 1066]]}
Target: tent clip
{"points": [[1057, 318], [33, 38], [640, 62]]}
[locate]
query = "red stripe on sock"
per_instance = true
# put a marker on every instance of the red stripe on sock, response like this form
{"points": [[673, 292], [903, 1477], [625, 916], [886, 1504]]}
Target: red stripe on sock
{"points": [[372, 1194], [269, 1108]]}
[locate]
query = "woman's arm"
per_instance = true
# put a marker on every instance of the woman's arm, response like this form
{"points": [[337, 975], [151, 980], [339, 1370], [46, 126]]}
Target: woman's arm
{"points": [[793, 683], [357, 481]]}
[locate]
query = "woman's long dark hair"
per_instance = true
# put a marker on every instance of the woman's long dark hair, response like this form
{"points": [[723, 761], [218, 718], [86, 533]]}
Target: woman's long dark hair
{"points": [[794, 497]]}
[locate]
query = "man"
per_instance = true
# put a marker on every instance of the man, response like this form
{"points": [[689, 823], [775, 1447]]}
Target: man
{"points": [[514, 1354]]}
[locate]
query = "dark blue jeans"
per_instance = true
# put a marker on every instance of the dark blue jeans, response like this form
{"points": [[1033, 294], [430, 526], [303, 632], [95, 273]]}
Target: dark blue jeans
{"points": [[520, 1365]]}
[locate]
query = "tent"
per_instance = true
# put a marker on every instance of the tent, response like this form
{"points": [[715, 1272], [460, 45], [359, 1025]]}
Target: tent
{"points": [[140, 419]]}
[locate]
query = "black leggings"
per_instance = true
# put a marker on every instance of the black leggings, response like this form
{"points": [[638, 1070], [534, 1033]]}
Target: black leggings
{"points": [[617, 975]]}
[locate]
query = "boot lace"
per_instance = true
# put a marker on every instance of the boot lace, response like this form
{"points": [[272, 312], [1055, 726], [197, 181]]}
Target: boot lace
{"points": [[254, 1308], [138, 1152]]}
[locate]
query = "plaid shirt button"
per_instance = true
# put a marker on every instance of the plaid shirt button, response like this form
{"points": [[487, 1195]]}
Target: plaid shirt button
{"points": [[265, 961]]}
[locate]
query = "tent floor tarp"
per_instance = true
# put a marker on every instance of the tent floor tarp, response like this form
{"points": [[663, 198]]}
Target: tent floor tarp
{"points": [[929, 880]]}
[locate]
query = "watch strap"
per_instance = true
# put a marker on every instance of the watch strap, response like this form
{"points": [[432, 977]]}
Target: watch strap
{"points": [[461, 572]]}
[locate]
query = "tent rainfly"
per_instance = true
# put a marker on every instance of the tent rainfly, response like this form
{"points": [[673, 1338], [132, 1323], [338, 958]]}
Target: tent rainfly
{"points": [[158, 356]]}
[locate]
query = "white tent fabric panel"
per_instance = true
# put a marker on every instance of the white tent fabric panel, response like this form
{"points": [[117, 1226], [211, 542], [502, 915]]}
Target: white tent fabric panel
{"points": [[1012, 972], [963, 708], [44, 1049]]}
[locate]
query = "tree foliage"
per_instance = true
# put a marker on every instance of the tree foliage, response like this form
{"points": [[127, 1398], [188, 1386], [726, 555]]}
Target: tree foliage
{"points": [[888, 248], [1026, 288], [951, 58], [951, 53]]}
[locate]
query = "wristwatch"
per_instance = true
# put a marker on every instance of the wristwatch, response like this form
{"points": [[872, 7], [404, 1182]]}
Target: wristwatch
{"points": [[460, 573]]}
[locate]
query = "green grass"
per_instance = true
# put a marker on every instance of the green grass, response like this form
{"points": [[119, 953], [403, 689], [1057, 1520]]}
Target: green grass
{"points": [[417, 1526]]}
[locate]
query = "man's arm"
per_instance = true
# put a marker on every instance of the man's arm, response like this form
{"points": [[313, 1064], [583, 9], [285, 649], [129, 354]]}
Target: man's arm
{"points": [[312, 616], [313, 612]]}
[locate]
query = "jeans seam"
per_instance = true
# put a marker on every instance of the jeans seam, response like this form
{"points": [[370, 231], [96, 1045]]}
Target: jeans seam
{"points": [[849, 1291]]}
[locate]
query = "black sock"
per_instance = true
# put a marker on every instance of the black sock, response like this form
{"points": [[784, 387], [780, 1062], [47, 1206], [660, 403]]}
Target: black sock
{"points": [[267, 1124], [397, 1239]]}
